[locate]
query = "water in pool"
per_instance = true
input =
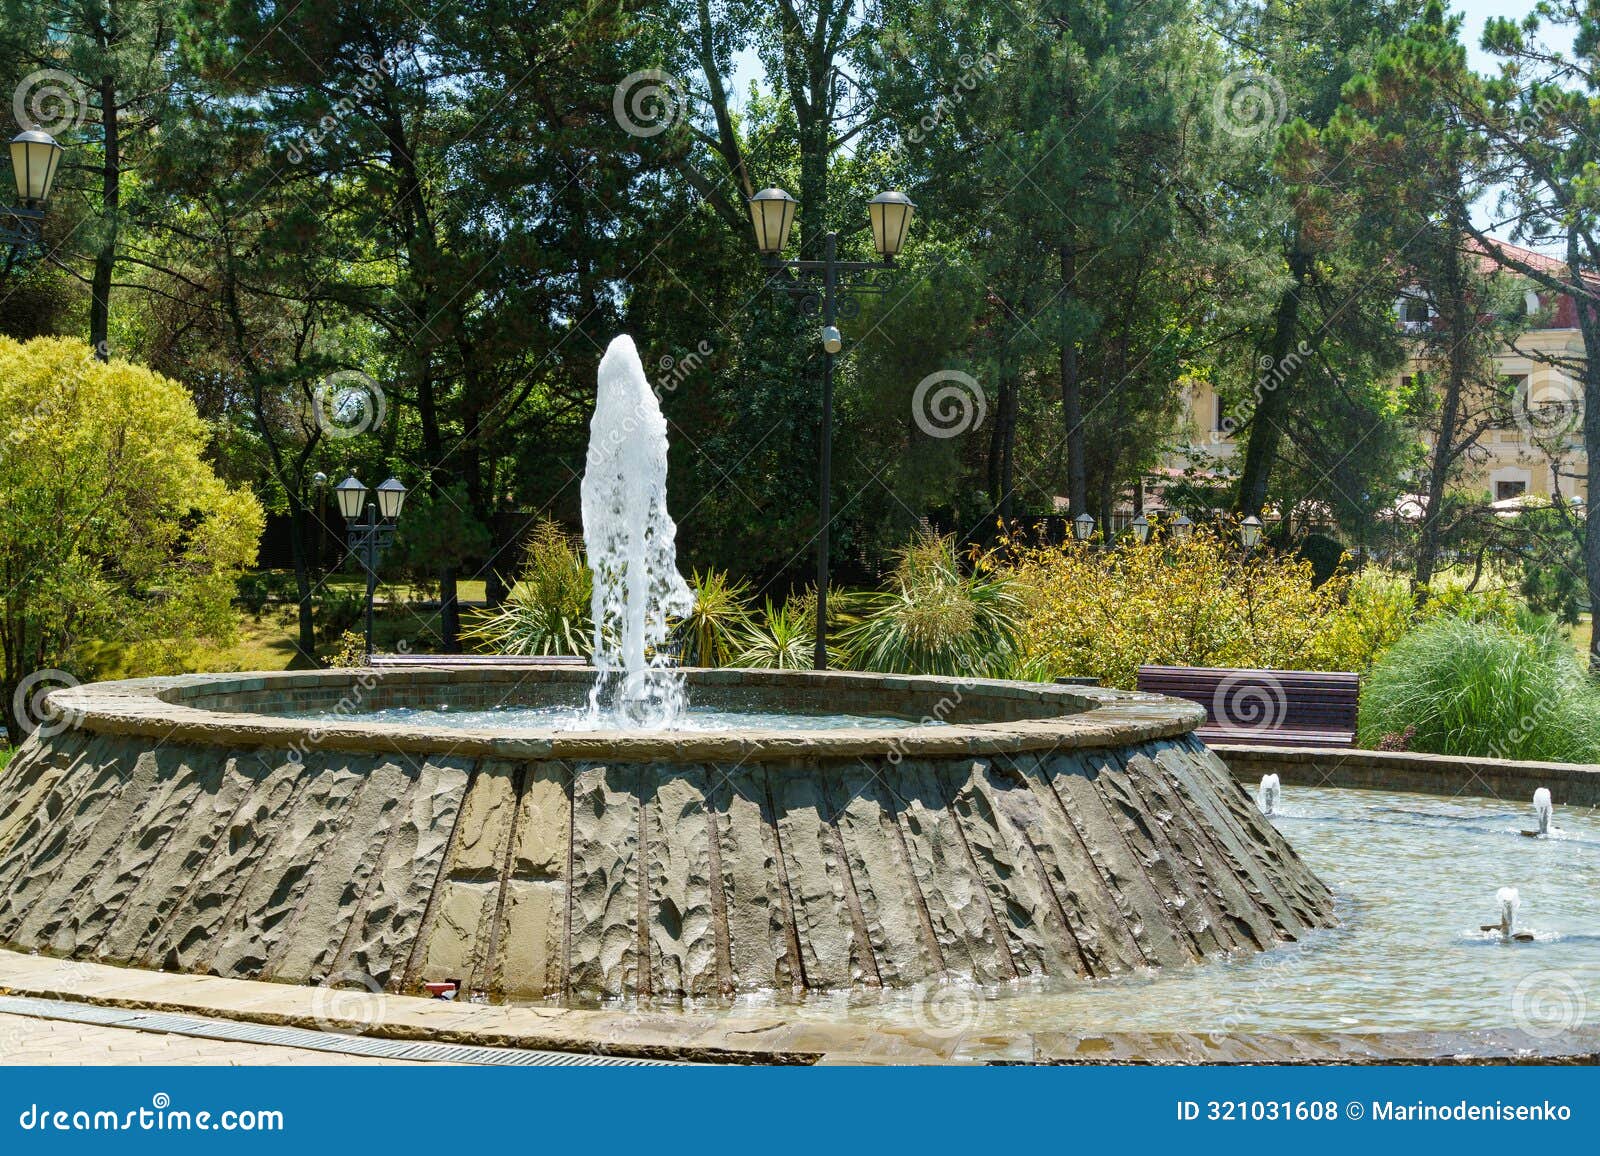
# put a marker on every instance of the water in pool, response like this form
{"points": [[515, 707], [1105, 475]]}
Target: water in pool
{"points": [[573, 718], [1416, 878]]}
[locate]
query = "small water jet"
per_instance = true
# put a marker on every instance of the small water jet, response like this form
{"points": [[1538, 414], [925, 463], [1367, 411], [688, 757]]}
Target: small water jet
{"points": [[631, 543], [1509, 900], [1267, 795], [1544, 814]]}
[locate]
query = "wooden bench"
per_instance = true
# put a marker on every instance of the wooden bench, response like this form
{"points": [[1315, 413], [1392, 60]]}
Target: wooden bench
{"points": [[1283, 708], [392, 661]]}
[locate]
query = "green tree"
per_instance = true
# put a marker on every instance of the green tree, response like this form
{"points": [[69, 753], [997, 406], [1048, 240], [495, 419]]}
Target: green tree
{"points": [[113, 528]]}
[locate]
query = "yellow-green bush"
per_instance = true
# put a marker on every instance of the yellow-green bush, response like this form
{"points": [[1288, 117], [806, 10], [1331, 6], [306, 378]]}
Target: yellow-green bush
{"points": [[113, 525], [1105, 613]]}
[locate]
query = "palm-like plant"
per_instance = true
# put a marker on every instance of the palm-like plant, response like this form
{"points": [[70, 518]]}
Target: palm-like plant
{"points": [[780, 637], [935, 619], [713, 633], [547, 610]]}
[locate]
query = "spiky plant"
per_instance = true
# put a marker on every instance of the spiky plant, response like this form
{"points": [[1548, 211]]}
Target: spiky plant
{"points": [[935, 618], [713, 633], [547, 609], [782, 636]]}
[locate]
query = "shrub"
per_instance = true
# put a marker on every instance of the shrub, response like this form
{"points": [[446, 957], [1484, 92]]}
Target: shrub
{"points": [[1376, 611], [547, 610], [933, 618], [711, 634], [1104, 613], [781, 637], [1459, 686]]}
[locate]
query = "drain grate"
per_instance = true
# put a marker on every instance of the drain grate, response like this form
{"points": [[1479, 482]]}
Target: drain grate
{"points": [[246, 1033]]}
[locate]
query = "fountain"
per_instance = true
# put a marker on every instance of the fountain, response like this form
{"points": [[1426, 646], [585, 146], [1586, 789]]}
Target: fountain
{"points": [[457, 821], [1544, 814], [631, 544], [1267, 795], [1510, 901]]}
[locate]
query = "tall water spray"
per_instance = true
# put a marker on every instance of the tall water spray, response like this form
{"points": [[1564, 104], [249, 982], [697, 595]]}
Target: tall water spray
{"points": [[630, 540], [1509, 901]]}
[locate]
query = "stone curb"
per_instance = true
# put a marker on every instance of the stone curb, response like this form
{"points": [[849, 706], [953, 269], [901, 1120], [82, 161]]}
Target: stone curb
{"points": [[1570, 784], [758, 1039], [244, 711]]}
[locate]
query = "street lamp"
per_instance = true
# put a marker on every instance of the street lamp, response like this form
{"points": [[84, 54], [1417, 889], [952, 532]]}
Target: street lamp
{"points": [[1180, 528], [1083, 526], [1141, 529], [367, 540], [829, 287], [1250, 533], [35, 157]]}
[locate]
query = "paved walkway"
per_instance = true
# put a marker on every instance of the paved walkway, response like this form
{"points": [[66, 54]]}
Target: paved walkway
{"points": [[25, 1040]]}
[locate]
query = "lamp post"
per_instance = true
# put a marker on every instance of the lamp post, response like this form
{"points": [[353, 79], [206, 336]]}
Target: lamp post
{"points": [[368, 539], [35, 157], [1181, 529], [1250, 534], [1141, 529], [828, 287], [1083, 526]]}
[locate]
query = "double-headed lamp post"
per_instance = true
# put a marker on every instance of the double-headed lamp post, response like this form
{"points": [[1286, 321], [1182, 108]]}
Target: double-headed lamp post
{"points": [[368, 539], [828, 287], [35, 157]]}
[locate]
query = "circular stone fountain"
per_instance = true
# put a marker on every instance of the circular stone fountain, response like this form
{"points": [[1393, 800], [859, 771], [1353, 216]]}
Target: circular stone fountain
{"points": [[1006, 830]]}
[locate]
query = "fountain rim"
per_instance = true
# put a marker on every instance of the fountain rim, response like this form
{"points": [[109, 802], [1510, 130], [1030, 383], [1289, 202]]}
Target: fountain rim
{"points": [[1090, 717]]}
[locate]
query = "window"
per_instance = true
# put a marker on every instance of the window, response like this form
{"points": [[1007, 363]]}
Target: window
{"points": [[1219, 419], [1414, 309], [1505, 491], [1530, 303]]}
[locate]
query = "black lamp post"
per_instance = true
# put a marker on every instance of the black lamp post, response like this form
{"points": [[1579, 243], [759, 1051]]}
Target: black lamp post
{"points": [[368, 539], [35, 157], [828, 287]]}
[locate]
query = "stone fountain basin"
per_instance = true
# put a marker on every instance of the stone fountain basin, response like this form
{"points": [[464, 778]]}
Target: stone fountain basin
{"points": [[188, 824]]}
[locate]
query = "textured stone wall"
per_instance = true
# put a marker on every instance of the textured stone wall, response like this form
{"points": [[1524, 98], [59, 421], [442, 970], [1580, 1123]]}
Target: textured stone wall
{"points": [[562, 876]]}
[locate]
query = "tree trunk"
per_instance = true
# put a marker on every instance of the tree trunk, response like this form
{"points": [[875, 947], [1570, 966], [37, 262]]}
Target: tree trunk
{"points": [[300, 547], [105, 260], [1456, 315], [1072, 400], [1272, 394]]}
